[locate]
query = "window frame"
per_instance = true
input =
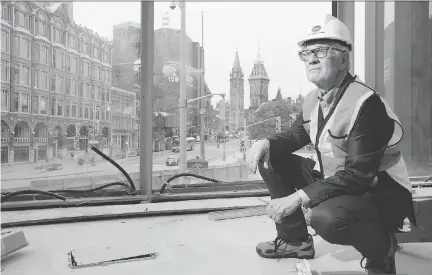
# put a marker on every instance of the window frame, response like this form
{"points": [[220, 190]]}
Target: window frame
{"points": [[21, 97], [8, 76], [8, 99], [7, 35], [46, 105]]}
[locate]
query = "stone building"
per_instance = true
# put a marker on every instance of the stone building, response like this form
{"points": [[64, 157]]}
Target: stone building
{"points": [[236, 107], [56, 83], [258, 81], [127, 67], [124, 126]]}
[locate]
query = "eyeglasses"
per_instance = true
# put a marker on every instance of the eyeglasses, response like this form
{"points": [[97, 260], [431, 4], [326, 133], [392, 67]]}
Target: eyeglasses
{"points": [[321, 52]]}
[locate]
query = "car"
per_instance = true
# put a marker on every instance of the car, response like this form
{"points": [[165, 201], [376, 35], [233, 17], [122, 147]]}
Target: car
{"points": [[172, 160]]}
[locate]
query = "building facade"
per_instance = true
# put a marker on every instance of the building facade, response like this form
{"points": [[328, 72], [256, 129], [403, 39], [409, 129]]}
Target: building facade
{"points": [[127, 68], [124, 127], [126, 37], [56, 83], [258, 81], [236, 107]]}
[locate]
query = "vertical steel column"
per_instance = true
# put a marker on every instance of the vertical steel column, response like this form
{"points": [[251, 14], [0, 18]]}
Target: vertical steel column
{"points": [[374, 45], [146, 101], [379, 46], [335, 8], [345, 13]]}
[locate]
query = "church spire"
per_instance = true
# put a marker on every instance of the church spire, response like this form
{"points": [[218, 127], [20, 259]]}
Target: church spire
{"points": [[259, 71], [236, 61], [258, 58]]}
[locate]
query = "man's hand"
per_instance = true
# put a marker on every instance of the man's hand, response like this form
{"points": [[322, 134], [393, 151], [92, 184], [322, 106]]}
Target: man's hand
{"points": [[259, 150], [278, 209]]}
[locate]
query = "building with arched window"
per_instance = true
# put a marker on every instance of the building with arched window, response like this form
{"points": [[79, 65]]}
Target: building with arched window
{"points": [[56, 83]]}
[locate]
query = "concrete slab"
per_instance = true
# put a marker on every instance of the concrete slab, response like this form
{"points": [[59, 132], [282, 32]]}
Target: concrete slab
{"points": [[188, 244], [147, 209]]}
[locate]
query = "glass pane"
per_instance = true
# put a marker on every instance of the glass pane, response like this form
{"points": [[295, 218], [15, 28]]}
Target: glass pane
{"points": [[94, 98], [215, 132], [407, 63]]}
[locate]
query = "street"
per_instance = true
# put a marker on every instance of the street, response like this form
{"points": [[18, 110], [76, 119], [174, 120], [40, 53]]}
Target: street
{"points": [[20, 175]]}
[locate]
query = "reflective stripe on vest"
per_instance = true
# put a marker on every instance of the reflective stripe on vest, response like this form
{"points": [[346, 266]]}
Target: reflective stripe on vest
{"points": [[332, 141]]}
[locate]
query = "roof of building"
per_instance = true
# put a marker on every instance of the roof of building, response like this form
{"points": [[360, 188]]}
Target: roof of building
{"points": [[258, 71], [53, 7], [127, 24], [236, 64]]}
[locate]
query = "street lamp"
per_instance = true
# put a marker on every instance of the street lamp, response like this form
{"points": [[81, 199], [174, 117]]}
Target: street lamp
{"points": [[182, 101], [192, 101], [203, 97]]}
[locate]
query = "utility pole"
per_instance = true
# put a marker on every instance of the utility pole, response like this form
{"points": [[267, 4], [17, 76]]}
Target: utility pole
{"points": [[182, 103], [278, 124], [223, 118], [202, 90]]}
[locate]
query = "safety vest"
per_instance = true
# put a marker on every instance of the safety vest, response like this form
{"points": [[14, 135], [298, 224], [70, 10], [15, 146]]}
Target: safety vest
{"points": [[330, 139]]}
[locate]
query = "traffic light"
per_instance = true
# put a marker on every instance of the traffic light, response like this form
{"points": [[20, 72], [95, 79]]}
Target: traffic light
{"points": [[290, 121], [96, 129], [278, 124]]}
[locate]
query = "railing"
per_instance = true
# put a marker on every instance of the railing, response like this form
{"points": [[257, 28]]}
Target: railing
{"points": [[4, 140], [40, 140], [21, 139]]}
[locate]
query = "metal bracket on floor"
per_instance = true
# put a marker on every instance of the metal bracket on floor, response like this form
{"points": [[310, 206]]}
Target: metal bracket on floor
{"points": [[12, 241]]}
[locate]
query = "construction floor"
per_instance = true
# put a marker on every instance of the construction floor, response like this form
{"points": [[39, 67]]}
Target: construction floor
{"points": [[185, 244]]}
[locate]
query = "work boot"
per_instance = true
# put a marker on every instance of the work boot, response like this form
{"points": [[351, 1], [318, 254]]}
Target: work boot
{"points": [[385, 266], [280, 248]]}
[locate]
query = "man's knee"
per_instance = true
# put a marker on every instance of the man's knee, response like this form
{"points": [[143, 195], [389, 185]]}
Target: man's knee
{"points": [[264, 171], [288, 164], [331, 221]]}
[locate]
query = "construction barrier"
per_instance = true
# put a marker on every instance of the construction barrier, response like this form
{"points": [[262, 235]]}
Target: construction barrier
{"points": [[227, 173]]}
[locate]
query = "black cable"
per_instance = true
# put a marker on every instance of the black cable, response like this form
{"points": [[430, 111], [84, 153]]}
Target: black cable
{"points": [[52, 193], [26, 192], [116, 165], [166, 184], [128, 188], [8, 195]]}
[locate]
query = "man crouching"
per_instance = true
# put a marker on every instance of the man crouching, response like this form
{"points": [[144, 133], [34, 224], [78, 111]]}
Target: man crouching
{"points": [[355, 133]]}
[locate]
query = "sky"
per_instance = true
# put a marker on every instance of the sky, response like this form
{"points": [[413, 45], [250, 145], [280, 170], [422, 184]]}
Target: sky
{"points": [[273, 27]]}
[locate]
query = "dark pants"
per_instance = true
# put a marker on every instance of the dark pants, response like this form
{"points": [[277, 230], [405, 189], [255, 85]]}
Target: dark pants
{"points": [[362, 221]]}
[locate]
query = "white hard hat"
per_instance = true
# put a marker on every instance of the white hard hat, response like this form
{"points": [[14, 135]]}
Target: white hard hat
{"points": [[329, 28]]}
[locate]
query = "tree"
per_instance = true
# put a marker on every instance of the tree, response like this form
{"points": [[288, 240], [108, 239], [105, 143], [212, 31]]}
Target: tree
{"points": [[299, 100], [278, 95], [281, 108]]}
